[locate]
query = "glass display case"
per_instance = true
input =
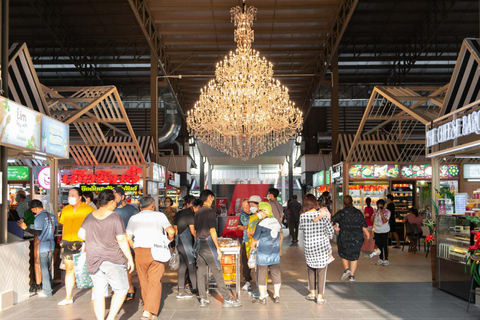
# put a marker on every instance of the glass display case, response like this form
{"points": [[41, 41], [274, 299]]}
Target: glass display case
{"points": [[404, 195], [453, 239]]}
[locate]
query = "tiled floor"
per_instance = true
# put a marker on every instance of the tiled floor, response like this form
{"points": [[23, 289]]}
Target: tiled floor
{"points": [[400, 291]]}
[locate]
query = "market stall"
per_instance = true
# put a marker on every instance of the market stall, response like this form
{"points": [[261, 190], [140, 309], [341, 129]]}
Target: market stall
{"points": [[230, 263], [321, 182]]}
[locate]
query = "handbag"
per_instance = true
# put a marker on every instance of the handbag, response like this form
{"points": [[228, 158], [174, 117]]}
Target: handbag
{"points": [[368, 246], [174, 262], [252, 261], [82, 276], [160, 248]]}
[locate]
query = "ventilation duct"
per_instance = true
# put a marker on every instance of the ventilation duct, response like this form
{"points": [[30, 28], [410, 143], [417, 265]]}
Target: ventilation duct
{"points": [[179, 148], [172, 124]]}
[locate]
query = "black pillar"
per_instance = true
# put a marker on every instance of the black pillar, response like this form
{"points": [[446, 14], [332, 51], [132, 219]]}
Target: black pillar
{"points": [[4, 150], [290, 172], [202, 172]]}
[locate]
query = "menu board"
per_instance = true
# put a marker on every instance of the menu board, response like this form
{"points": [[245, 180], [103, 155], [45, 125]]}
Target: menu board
{"points": [[318, 179], [55, 137], [471, 171], [18, 173], [449, 171], [413, 171], [19, 125], [359, 171], [461, 200], [327, 179]]}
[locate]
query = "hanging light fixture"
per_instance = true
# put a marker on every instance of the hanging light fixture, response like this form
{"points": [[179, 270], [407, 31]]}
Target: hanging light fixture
{"points": [[244, 112]]}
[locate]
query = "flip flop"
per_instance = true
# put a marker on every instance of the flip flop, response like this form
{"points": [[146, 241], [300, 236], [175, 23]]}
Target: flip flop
{"points": [[131, 295]]}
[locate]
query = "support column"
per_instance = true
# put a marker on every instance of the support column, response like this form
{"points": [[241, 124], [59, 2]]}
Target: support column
{"points": [[53, 193], [202, 171], [4, 150], [290, 173], [335, 109], [154, 104], [435, 180], [209, 180], [284, 196]]}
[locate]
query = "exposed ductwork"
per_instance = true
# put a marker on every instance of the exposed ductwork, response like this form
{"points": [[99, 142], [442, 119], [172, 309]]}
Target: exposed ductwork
{"points": [[179, 148], [173, 122]]}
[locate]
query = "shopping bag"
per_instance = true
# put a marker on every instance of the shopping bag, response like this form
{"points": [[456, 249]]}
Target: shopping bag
{"points": [[82, 277], [161, 248], [174, 262], [368, 246], [252, 261]]}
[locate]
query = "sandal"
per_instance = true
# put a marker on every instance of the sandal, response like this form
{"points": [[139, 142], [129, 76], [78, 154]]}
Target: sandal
{"points": [[310, 297], [131, 295]]}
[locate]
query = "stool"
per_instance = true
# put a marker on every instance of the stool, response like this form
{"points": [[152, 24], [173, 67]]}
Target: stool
{"points": [[475, 259]]}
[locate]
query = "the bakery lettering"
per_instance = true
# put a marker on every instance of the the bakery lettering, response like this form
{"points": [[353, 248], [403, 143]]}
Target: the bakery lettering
{"points": [[131, 176], [464, 126]]}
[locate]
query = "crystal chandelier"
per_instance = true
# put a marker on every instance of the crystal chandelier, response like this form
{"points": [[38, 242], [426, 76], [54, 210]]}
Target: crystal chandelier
{"points": [[244, 112]]}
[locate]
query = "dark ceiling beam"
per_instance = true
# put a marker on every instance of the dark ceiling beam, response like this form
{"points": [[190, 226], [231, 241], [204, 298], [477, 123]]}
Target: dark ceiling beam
{"points": [[324, 18], [297, 5]]}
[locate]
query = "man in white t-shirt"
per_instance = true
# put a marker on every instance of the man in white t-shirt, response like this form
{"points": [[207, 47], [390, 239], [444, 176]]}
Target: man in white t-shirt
{"points": [[142, 231]]}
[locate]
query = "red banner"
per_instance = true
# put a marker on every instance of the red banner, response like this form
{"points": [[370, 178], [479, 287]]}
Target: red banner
{"points": [[246, 191], [221, 202], [231, 228]]}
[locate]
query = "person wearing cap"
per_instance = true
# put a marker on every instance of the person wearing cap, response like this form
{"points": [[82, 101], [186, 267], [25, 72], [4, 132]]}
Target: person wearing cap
{"points": [[208, 253], [243, 226], [253, 203], [44, 228], [266, 240], [126, 211]]}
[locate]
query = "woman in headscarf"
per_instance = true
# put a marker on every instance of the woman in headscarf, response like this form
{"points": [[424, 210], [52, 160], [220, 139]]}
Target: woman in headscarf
{"points": [[317, 228], [266, 240], [353, 229]]}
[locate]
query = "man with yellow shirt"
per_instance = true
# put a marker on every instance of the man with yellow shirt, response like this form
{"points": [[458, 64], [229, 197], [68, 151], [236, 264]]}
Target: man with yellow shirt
{"points": [[71, 218]]}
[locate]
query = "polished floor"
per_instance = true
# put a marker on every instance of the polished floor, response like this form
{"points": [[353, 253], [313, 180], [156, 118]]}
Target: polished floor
{"points": [[400, 291]]}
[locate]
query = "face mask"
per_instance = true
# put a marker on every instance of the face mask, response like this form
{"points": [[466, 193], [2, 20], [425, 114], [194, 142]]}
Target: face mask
{"points": [[168, 204], [253, 209], [260, 216], [72, 201]]}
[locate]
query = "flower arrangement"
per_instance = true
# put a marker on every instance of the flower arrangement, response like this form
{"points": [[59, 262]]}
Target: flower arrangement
{"points": [[430, 239], [474, 250]]}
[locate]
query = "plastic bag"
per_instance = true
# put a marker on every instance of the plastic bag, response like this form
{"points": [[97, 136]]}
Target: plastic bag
{"points": [[174, 262], [252, 261], [82, 277]]}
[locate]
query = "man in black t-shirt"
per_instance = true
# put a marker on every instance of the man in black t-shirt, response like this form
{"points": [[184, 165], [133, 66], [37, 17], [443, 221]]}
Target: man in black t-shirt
{"points": [[208, 250], [392, 222]]}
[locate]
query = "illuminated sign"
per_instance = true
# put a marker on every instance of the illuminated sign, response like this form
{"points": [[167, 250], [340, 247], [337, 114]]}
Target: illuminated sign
{"points": [[43, 178], [461, 127], [131, 176], [55, 137], [101, 187], [18, 173]]}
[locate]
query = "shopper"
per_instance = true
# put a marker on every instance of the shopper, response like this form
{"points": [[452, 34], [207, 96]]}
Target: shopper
{"points": [[184, 238], [22, 203], [266, 240], [208, 252], [253, 221], [277, 210], [44, 228], [353, 229], [327, 196], [72, 217], [126, 211], [89, 199], [415, 219], [368, 214], [169, 210], [108, 254], [142, 231], [392, 221], [243, 226], [196, 205], [294, 217], [318, 230], [382, 228]]}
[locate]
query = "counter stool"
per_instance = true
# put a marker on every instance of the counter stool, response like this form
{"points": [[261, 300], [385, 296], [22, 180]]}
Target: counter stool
{"points": [[474, 259]]}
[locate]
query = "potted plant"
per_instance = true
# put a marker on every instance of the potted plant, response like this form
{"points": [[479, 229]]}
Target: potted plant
{"points": [[432, 245]]}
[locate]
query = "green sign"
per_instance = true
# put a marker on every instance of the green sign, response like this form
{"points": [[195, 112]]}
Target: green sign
{"points": [[18, 173], [327, 179]]}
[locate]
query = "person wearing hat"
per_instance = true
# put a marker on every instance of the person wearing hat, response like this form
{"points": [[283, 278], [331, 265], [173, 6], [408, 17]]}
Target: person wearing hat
{"points": [[126, 211], [44, 228], [253, 202], [266, 240]]}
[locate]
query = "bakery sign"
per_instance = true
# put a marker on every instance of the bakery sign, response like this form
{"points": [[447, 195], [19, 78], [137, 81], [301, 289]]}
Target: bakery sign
{"points": [[84, 177], [461, 127]]}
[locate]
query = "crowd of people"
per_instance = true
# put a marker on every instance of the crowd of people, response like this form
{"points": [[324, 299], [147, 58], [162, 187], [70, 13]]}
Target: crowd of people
{"points": [[118, 239]]}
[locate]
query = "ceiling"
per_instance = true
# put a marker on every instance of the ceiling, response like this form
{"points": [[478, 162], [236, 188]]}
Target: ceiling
{"points": [[387, 42]]}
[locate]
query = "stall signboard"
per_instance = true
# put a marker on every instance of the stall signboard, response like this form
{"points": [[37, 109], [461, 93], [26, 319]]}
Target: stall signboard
{"points": [[411, 171], [449, 171], [18, 173], [19, 125], [43, 178], [231, 228], [83, 176], [471, 171], [414, 171], [327, 177], [101, 187], [359, 171], [174, 180], [152, 188], [157, 172], [55, 137], [221, 202], [318, 179], [337, 172]]}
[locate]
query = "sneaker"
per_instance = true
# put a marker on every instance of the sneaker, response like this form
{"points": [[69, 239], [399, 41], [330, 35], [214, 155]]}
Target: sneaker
{"points": [[247, 286], [261, 301], [276, 299], [330, 259], [345, 274], [65, 302], [231, 303], [379, 262], [321, 301], [41, 294], [204, 303], [188, 289], [386, 263], [351, 278], [374, 253], [184, 295]]}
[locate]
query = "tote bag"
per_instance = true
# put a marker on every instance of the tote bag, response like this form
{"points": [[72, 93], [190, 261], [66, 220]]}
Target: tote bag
{"points": [[82, 277], [160, 248]]}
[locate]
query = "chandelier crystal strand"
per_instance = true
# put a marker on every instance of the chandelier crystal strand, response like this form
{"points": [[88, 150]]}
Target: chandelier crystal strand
{"points": [[244, 112]]}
